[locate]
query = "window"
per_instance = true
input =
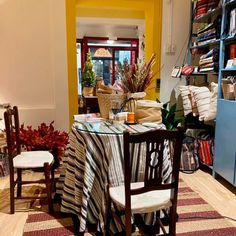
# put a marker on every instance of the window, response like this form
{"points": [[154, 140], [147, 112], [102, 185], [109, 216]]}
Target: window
{"points": [[107, 54]]}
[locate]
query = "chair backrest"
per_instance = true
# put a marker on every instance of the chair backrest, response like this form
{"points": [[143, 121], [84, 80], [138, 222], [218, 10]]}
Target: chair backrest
{"points": [[154, 142], [11, 118]]}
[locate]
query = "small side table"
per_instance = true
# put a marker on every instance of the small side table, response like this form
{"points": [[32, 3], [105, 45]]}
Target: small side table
{"points": [[90, 104]]}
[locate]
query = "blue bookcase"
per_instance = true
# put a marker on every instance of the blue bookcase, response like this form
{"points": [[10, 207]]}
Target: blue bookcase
{"points": [[225, 123], [225, 134]]}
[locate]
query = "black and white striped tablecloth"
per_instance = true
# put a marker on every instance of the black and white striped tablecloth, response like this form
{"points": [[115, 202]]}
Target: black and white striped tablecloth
{"points": [[95, 153]]}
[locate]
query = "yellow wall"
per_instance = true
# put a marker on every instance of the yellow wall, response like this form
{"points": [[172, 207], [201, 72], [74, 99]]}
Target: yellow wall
{"points": [[71, 58], [153, 23], [149, 10]]}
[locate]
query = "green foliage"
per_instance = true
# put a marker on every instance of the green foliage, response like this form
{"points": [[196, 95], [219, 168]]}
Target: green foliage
{"points": [[169, 118], [88, 78]]}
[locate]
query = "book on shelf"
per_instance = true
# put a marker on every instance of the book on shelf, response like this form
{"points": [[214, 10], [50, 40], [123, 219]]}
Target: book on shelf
{"points": [[207, 42], [210, 69], [227, 1], [232, 51], [232, 23], [231, 64]]}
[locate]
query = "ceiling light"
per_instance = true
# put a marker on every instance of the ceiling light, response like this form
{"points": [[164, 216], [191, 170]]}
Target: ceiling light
{"points": [[102, 52], [110, 41]]}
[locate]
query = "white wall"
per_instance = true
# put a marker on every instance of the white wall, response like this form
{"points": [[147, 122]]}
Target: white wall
{"points": [[33, 63], [180, 21]]}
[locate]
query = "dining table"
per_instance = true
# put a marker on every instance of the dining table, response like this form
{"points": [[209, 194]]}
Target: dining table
{"points": [[95, 159]]}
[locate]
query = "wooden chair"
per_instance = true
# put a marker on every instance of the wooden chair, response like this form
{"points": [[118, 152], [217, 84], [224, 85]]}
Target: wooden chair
{"points": [[151, 195], [25, 160]]}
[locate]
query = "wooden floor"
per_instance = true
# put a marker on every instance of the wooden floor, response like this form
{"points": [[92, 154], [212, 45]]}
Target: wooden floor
{"points": [[213, 191]]}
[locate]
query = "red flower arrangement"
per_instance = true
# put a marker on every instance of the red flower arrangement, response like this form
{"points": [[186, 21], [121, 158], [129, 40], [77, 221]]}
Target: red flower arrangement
{"points": [[43, 138]]}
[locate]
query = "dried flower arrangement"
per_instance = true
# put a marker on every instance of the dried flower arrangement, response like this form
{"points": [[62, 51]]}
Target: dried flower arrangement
{"points": [[136, 77], [43, 138]]}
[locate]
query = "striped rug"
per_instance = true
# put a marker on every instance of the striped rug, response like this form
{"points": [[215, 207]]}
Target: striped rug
{"points": [[196, 218]]}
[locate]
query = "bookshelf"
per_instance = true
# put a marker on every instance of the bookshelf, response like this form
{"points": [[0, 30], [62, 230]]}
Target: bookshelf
{"points": [[225, 133], [225, 127]]}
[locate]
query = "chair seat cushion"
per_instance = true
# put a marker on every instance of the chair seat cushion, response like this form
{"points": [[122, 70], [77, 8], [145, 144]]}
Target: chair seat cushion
{"points": [[32, 159], [142, 203]]}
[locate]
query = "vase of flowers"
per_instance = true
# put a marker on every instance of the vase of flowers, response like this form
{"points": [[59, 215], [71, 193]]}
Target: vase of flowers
{"points": [[135, 79], [45, 137]]}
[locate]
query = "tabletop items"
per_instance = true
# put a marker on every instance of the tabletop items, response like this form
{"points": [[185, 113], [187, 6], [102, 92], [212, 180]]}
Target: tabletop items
{"points": [[133, 80], [119, 108], [105, 102], [131, 110]]}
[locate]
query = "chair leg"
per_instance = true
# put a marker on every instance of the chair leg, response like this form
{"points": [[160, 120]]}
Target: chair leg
{"points": [[128, 225], [161, 225], [19, 184], [12, 196], [157, 224], [173, 219], [53, 179], [48, 183], [108, 218]]}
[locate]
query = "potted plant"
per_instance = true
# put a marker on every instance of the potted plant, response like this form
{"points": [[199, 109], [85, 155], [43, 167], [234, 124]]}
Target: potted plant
{"points": [[169, 118], [45, 137], [88, 78]]}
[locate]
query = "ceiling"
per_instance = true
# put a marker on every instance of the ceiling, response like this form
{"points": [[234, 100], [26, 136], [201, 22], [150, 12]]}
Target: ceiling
{"points": [[109, 27]]}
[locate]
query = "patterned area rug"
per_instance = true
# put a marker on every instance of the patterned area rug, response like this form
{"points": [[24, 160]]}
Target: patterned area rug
{"points": [[196, 218]]}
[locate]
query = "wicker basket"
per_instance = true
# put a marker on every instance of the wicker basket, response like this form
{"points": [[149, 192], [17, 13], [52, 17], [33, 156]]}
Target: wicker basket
{"points": [[104, 102], [228, 89]]}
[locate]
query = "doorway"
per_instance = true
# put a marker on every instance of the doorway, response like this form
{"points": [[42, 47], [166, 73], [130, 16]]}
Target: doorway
{"points": [[108, 54], [148, 11]]}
